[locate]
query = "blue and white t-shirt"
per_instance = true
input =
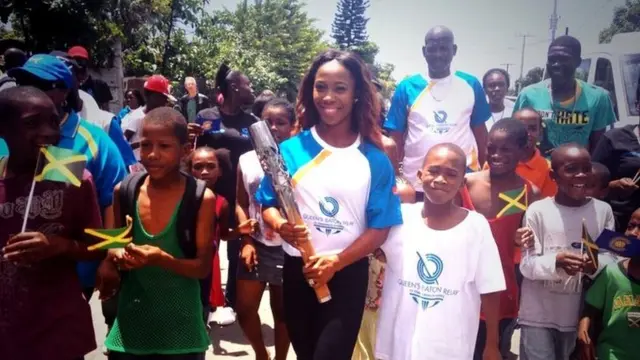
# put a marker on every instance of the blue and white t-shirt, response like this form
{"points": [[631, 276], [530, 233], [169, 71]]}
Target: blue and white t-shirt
{"points": [[340, 191], [435, 111]]}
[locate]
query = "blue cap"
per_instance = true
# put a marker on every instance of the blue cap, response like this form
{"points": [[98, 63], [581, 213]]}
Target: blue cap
{"points": [[45, 67]]}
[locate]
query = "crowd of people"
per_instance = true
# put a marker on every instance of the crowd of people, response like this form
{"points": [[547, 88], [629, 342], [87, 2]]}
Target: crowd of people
{"points": [[439, 225]]}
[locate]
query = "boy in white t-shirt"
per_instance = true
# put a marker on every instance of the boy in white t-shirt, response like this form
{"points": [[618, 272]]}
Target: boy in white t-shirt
{"points": [[442, 266]]}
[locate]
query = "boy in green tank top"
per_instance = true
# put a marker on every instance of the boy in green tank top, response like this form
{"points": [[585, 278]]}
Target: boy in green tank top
{"points": [[610, 326], [159, 308]]}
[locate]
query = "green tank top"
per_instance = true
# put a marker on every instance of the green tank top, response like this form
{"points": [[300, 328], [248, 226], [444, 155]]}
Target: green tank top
{"points": [[159, 311]]}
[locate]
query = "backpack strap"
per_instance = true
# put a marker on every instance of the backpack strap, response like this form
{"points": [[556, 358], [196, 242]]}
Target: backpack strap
{"points": [[129, 189], [188, 214]]}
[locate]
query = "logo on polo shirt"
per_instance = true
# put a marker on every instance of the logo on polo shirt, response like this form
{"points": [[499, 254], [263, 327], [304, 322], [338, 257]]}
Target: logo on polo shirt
{"points": [[439, 124], [329, 223], [428, 292]]}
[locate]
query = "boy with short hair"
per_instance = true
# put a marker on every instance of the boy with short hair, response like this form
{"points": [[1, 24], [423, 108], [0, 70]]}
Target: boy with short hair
{"points": [[534, 167], [159, 308], [599, 184], [436, 281], [43, 314], [502, 197], [551, 295], [610, 326]]}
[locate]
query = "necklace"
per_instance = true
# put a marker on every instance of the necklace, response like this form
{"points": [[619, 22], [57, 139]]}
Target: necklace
{"points": [[433, 84], [575, 98]]}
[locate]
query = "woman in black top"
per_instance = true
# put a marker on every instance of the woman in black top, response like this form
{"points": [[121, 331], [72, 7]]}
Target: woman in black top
{"points": [[226, 126]]}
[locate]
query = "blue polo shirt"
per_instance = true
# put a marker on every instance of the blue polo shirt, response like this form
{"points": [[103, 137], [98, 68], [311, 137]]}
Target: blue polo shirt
{"points": [[105, 164], [104, 161]]}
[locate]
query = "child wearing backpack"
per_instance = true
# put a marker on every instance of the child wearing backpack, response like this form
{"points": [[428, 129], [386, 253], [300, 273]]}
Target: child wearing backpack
{"points": [[159, 305]]}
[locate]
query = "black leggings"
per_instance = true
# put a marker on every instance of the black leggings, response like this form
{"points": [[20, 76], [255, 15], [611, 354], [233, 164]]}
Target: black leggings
{"points": [[324, 331]]}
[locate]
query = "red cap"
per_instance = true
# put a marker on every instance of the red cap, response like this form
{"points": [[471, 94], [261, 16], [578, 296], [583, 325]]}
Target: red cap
{"points": [[159, 84], [78, 51]]}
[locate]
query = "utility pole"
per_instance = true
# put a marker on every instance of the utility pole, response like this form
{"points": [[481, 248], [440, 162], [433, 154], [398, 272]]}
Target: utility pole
{"points": [[524, 46], [507, 65], [553, 21]]}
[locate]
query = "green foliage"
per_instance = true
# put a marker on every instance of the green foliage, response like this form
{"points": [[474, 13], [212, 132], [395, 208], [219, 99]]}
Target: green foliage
{"points": [[533, 76], [625, 19], [349, 28]]}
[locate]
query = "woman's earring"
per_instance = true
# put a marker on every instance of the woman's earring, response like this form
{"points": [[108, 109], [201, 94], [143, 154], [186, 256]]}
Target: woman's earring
{"points": [[355, 101]]}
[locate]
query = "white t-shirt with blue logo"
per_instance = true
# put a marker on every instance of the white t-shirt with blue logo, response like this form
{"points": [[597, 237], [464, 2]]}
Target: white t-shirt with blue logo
{"points": [[430, 306], [340, 192], [435, 111]]}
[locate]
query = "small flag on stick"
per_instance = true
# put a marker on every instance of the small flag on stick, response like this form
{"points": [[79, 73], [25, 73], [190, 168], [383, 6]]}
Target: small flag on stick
{"points": [[62, 165], [589, 246], [112, 238], [625, 246]]}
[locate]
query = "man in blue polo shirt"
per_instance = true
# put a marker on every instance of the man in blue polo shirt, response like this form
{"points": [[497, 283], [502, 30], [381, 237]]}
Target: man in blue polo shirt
{"points": [[104, 161], [438, 107]]}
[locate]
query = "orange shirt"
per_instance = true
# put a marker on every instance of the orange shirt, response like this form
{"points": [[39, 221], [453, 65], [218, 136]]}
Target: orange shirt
{"points": [[537, 171]]}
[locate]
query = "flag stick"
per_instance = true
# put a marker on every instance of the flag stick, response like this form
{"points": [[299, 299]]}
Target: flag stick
{"points": [[30, 199], [580, 274]]}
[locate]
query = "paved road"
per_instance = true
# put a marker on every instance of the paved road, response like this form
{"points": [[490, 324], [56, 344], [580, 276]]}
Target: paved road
{"points": [[228, 342]]}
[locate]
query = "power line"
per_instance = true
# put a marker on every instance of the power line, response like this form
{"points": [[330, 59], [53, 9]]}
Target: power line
{"points": [[507, 65], [524, 46]]}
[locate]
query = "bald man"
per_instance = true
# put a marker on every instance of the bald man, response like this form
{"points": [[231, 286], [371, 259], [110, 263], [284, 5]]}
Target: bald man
{"points": [[438, 106], [192, 102]]}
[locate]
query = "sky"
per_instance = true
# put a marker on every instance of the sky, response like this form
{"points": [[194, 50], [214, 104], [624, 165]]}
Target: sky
{"points": [[488, 32]]}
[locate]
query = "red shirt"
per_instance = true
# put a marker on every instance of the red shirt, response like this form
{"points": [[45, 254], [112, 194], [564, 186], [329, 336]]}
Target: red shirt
{"points": [[43, 313], [503, 229]]}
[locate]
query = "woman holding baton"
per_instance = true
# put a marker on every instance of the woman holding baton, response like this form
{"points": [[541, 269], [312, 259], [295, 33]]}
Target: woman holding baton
{"points": [[343, 185]]}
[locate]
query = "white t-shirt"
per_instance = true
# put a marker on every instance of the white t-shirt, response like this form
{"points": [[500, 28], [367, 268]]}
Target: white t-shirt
{"points": [[133, 122], [252, 175], [430, 307], [340, 192], [434, 111], [496, 116], [92, 113]]}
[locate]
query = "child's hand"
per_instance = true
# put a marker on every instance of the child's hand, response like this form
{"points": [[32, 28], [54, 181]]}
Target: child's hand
{"points": [[524, 238], [248, 227], [30, 247], [589, 267], [491, 352], [571, 263], [586, 349], [108, 279], [624, 186], [249, 255], [137, 256], [294, 234]]}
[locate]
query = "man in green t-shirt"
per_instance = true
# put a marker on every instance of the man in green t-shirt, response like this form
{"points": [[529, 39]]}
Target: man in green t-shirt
{"points": [[610, 326], [573, 111]]}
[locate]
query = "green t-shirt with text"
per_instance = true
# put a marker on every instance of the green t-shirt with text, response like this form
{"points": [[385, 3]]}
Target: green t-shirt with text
{"points": [[618, 297], [572, 121]]}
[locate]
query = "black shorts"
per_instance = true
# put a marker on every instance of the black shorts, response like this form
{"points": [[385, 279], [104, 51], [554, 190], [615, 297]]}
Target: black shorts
{"points": [[269, 268]]}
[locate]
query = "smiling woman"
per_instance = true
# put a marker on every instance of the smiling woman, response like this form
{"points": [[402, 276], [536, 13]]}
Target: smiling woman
{"points": [[343, 187]]}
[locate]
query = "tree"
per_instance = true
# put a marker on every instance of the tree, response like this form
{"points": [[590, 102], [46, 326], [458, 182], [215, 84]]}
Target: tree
{"points": [[273, 42], [349, 28], [384, 74], [625, 19], [533, 76]]}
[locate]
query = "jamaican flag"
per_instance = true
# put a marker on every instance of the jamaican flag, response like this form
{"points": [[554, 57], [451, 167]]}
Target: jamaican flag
{"points": [[516, 202], [111, 238], [62, 165], [589, 246]]}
